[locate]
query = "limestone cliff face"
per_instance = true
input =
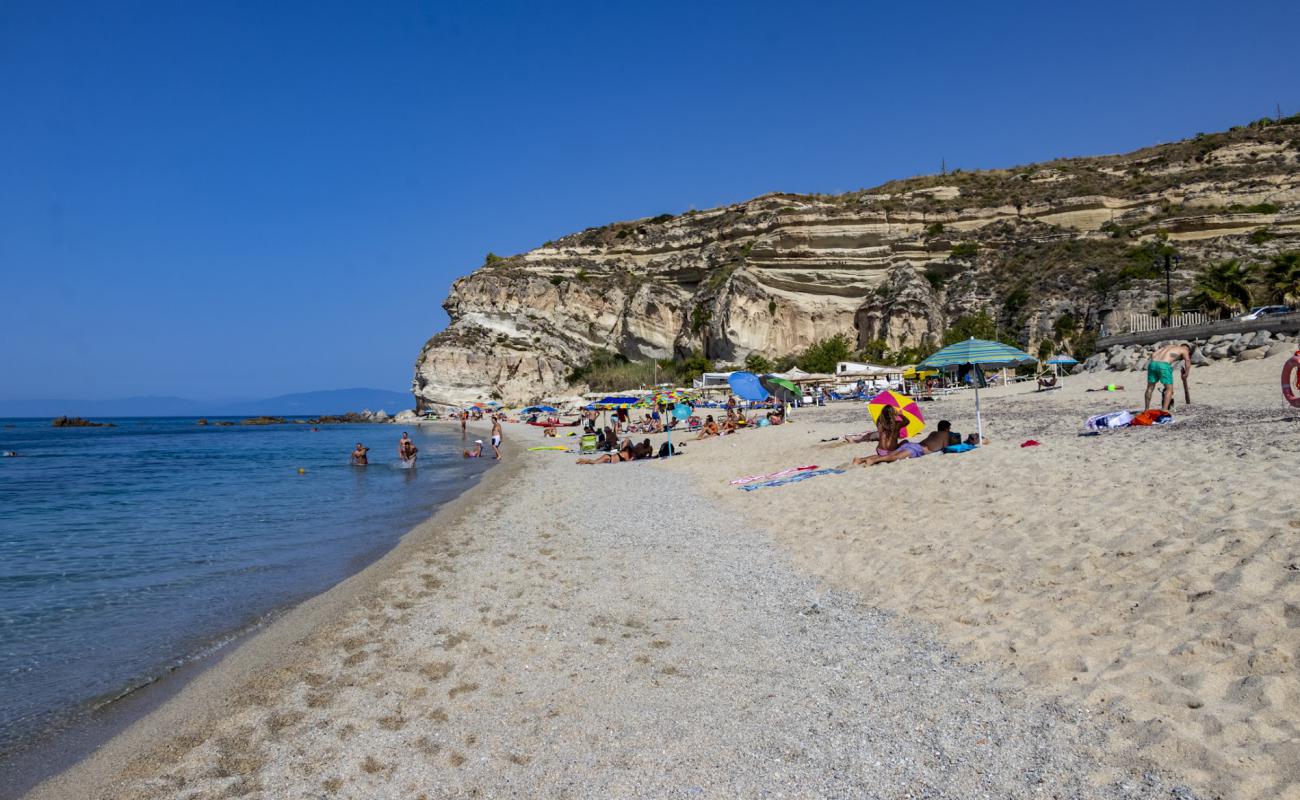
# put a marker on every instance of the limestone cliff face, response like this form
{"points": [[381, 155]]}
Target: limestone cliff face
{"points": [[898, 263]]}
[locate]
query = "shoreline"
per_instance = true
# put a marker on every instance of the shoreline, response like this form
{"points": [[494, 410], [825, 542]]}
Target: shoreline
{"points": [[691, 636], [140, 719], [527, 645]]}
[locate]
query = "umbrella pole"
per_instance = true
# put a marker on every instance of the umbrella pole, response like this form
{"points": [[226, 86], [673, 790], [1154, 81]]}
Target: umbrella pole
{"points": [[979, 424]]}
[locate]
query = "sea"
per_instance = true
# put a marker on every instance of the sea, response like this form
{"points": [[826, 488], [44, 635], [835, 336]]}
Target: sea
{"points": [[128, 552]]}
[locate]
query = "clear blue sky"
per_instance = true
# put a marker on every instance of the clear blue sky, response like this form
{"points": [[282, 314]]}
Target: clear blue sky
{"points": [[239, 199]]}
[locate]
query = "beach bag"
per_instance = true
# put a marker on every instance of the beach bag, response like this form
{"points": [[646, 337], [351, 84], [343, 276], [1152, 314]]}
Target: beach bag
{"points": [[666, 450]]}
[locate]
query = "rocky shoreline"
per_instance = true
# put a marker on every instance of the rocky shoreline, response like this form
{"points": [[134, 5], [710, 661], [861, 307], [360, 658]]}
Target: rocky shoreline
{"points": [[1228, 346]]}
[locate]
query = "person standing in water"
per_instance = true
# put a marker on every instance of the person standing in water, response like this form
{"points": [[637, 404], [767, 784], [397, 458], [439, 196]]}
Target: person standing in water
{"points": [[359, 458], [464, 415], [406, 450], [1161, 370], [496, 436]]}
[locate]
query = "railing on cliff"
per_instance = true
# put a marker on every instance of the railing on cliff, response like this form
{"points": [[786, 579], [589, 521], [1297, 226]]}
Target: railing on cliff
{"points": [[1143, 323], [1278, 323]]}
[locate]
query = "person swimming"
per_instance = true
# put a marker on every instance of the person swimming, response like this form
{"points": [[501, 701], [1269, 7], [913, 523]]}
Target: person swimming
{"points": [[359, 458], [406, 450]]}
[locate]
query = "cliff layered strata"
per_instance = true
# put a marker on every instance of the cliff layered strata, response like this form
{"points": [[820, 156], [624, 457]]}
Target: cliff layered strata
{"points": [[1030, 246]]}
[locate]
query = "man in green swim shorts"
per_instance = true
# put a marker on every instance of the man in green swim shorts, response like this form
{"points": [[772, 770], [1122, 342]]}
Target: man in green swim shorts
{"points": [[1161, 371]]}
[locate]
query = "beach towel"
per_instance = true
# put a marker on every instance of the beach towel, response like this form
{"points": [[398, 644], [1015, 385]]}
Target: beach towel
{"points": [[781, 474], [798, 476], [1109, 421], [1153, 416], [958, 448]]}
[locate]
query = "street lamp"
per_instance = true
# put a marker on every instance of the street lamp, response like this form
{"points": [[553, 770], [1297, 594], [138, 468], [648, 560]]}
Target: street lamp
{"points": [[1169, 296], [1172, 261]]}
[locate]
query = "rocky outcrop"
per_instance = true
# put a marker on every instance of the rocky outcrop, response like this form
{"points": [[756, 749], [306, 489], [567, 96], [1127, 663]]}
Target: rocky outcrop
{"points": [[1220, 347], [78, 422], [1049, 251]]}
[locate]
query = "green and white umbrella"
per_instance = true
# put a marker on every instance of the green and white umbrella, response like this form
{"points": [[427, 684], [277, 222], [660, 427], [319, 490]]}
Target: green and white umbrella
{"points": [[977, 352]]}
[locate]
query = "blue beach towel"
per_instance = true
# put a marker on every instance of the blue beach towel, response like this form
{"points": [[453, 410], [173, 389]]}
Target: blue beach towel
{"points": [[958, 448], [802, 476]]}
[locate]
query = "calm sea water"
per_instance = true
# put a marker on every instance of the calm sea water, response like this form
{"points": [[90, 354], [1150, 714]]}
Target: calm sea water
{"points": [[127, 551]]}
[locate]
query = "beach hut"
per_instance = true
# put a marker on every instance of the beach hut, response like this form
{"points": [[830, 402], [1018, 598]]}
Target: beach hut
{"points": [[977, 353]]}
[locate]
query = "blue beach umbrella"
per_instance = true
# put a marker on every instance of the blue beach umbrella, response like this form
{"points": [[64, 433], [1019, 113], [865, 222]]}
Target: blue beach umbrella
{"points": [[747, 386], [540, 410], [1062, 360], [977, 352]]}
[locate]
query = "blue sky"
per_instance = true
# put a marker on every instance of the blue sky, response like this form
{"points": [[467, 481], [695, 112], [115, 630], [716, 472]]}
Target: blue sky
{"points": [[239, 199]]}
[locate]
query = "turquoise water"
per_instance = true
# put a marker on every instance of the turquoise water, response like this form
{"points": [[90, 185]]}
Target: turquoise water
{"points": [[127, 551]]}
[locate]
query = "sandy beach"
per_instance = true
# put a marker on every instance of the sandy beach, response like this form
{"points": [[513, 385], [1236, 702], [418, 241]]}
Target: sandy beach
{"points": [[1148, 575], [1109, 616]]}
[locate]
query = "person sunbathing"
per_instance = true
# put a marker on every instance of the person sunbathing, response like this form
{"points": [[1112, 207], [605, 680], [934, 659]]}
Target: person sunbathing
{"points": [[889, 427], [608, 458], [933, 443], [1047, 382], [710, 428], [1110, 387]]}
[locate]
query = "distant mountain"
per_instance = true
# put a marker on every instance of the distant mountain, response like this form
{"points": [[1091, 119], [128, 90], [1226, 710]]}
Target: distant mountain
{"points": [[330, 401]]}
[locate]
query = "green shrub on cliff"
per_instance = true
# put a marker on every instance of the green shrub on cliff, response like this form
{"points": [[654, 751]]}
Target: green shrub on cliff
{"points": [[822, 356], [980, 326], [964, 250]]}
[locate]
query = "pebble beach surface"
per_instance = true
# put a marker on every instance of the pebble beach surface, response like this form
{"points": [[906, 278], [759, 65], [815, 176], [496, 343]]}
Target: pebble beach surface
{"points": [[601, 632]]}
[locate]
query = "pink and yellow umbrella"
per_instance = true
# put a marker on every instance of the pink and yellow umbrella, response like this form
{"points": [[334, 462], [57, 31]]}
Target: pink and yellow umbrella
{"points": [[906, 407]]}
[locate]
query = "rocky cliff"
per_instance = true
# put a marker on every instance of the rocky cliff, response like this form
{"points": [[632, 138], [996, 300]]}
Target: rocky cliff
{"points": [[1052, 250]]}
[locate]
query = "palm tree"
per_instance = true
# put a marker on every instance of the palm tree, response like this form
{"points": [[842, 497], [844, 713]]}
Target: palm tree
{"points": [[1282, 277], [1222, 287]]}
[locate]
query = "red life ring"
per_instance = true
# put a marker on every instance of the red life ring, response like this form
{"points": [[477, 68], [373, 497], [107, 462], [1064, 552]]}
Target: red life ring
{"points": [[1290, 373]]}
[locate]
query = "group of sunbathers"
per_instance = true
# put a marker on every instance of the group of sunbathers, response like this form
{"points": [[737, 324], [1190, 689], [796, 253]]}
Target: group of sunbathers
{"points": [[628, 451], [735, 420], [890, 446]]}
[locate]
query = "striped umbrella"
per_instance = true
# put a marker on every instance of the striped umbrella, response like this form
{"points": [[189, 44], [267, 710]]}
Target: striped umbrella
{"points": [[906, 407], [977, 352]]}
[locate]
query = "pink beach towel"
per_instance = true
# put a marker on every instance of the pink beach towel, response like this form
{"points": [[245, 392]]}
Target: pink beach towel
{"points": [[783, 473]]}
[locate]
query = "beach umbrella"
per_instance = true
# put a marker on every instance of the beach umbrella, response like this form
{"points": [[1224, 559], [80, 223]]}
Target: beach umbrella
{"points": [[747, 386], [1061, 361], [540, 410], [904, 405], [616, 402], [977, 353], [781, 388]]}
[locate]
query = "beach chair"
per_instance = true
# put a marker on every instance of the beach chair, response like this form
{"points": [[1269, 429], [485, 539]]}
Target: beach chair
{"points": [[588, 444]]}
